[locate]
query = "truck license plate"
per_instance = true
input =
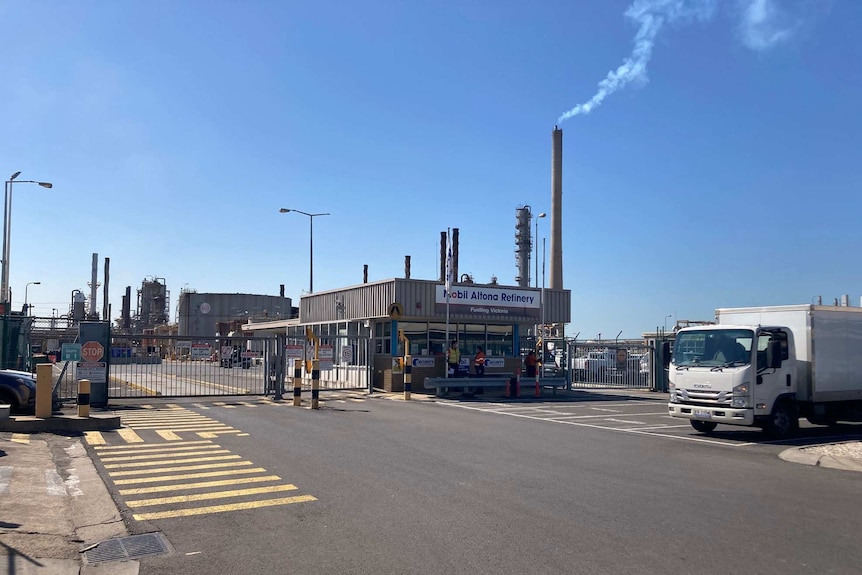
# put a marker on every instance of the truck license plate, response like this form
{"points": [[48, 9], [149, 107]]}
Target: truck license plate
{"points": [[702, 414]]}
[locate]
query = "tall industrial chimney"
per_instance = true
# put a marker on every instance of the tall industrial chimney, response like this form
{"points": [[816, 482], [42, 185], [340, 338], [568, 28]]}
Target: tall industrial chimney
{"points": [[556, 262], [455, 239], [94, 285]]}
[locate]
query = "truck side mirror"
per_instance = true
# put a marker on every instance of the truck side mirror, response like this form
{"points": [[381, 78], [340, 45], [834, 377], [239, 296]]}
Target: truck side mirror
{"points": [[665, 354], [773, 354]]}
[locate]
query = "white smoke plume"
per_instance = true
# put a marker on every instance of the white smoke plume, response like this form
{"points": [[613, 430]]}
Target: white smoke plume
{"points": [[764, 24], [650, 16]]}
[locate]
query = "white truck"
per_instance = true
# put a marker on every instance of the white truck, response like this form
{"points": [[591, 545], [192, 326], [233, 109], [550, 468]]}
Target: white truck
{"points": [[769, 366]]}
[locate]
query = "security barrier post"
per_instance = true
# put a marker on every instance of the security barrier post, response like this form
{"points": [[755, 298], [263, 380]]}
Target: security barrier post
{"points": [[83, 398], [408, 376], [315, 383], [297, 382], [44, 389]]}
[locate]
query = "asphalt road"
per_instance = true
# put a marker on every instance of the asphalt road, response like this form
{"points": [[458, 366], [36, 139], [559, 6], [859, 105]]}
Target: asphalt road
{"points": [[381, 486]]}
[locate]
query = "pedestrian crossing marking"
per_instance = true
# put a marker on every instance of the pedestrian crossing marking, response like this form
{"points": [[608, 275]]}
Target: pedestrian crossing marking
{"points": [[180, 468], [213, 449], [101, 448], [171, 461], [208, 496], [199, 485], [94, 438], [179, 479], [22, 438], [157, 479], [222, 508], [168, 435], [129, 435]]}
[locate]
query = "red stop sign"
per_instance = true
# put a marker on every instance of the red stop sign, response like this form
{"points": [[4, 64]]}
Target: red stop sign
{"points": [[92, 351]]}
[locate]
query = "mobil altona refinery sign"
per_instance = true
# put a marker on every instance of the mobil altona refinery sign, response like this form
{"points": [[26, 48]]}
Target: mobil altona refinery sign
{"points": [[498, 303]]}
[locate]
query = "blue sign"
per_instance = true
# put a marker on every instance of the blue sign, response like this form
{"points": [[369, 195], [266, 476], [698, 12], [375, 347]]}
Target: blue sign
{"points": [[70, 352]]}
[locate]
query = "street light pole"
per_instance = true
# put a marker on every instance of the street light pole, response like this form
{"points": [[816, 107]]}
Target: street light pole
{"points": [[27, 307], [7, 230], [542, 215], [665, 321], [310, 242]]}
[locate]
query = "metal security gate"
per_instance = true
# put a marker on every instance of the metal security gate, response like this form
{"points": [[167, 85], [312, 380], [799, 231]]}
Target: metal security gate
{"points": [[146, 365], [612, 365], [345, 361], [177, 366]]}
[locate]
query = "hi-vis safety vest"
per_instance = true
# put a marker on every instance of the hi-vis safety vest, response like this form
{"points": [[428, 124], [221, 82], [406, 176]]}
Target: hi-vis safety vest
{"points": [[454, 355]]}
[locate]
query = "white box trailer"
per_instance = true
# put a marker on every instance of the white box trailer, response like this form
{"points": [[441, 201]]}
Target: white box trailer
{"points": [[768, 366]]}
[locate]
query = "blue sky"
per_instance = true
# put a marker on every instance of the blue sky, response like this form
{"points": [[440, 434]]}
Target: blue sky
{"points": [[721, 171]]}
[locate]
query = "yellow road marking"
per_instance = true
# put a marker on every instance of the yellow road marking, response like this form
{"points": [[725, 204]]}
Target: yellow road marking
{"points": [[163, 450], [201, 406], [20, 438], [129, 435], [181, 468], [168, 435], [207, 496], [175, 428], [167, 418], [207, 434], [189, 476], [94, 438], [163, 454], [200, 484], [171, 461], [131, 448], [242, 434], [216, 433], [175, 425], [223, 508], [247, 404]]}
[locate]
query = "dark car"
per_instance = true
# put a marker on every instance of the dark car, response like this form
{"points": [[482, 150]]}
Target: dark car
{"points": [[18, 389]]}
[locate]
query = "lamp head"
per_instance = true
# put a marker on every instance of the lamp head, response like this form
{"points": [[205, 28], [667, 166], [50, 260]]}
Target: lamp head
{"points": [[284, 210], [15, 175], [542, 215], [48, 185], [37, 283]]}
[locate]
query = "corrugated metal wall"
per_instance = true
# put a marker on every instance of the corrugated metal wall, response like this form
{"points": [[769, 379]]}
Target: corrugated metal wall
{"points": [[417, 297], [361, 302]]}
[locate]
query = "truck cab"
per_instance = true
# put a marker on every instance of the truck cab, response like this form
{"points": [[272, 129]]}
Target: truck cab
{"points": [[734, 374]]}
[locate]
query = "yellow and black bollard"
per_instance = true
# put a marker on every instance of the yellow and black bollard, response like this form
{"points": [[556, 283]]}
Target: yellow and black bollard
{"points": [[315, 383], [83, 398], [297, 382], [408, 376], [44, 389]]}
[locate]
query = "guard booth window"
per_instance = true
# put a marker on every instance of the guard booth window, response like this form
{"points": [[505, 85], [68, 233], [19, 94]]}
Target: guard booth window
{"points": [[500, 340], [469, 336], [417, 333]]}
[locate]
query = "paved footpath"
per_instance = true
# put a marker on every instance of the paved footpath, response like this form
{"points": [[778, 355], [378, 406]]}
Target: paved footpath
{"points": [[53, 504]]}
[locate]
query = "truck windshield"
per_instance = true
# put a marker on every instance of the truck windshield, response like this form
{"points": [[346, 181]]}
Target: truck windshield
{"points": [[713, 348]]}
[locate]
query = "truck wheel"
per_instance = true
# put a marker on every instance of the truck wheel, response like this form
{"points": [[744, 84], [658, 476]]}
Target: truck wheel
{"points": [[784, 420], [703, 426]]}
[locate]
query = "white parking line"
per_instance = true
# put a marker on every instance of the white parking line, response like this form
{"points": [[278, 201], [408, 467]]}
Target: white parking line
{"points": [[658, 427], [604, 416], [593, 426], [625, 421], [603, 409]]}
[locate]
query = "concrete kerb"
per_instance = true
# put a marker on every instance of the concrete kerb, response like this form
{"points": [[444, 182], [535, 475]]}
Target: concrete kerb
{"points": [[59, 423], [845, 455]]}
